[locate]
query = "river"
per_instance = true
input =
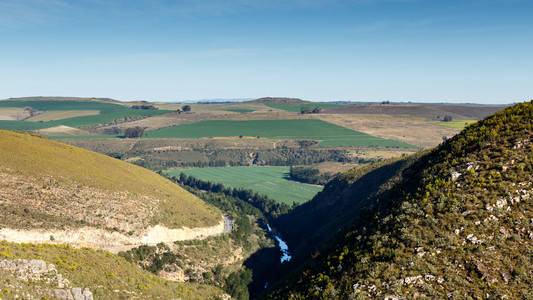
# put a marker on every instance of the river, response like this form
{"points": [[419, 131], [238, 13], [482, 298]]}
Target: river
{"points": [[282, 246]]}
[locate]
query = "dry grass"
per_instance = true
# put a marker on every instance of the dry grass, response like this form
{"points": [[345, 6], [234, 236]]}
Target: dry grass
{"points": [[107, 276], [52, 115], [11, 113], [256, 106], [412, 130], [62, 131], [334, 167], [57, 165]]}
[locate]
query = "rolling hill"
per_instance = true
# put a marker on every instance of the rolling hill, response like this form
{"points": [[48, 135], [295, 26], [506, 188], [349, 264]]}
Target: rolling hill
{"points": [[56, 193], [452, 222]]}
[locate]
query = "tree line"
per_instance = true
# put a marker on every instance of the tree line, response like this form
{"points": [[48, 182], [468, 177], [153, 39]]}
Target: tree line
{"points": [[267, 207]]}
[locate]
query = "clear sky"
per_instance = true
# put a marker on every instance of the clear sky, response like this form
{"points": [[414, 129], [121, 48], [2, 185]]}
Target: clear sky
{"points": [[320, 50]]}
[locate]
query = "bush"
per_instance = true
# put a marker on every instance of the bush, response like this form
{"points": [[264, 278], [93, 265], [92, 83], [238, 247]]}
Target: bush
{"points": [[134, 132]]}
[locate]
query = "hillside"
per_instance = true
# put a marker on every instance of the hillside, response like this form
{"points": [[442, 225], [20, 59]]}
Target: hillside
{"points": [[53, 192], [31, 271], [452, 222], [278, 100], [457, 112]]}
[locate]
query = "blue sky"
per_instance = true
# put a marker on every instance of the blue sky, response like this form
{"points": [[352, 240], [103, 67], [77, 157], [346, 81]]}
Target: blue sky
{"points": [[320, 50]]}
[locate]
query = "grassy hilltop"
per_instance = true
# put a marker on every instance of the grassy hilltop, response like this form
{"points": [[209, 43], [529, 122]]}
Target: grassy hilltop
{"points": [[452, 222], [47, 184]]}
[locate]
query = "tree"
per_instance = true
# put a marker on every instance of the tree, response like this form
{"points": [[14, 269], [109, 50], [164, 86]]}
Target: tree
{"points": [[134, 132], [186, 108], [447, 118], [305, 110], [317, 110]]}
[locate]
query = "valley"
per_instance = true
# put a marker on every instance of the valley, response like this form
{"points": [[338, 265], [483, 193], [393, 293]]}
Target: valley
{"points": [[200, 198]]}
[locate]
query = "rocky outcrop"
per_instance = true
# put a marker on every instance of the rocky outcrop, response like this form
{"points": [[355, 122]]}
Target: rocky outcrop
{"points": [[52, 283], [107, 240]]}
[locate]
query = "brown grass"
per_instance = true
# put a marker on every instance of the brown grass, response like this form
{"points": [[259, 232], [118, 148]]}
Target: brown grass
{"points": [[11, 113], [62, 130], [413, 130], [55, 166]]}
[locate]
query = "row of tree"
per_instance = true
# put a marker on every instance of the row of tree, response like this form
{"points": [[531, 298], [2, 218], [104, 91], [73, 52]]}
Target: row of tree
{"points": [[309, 175], [306, 110], [268, 207]]}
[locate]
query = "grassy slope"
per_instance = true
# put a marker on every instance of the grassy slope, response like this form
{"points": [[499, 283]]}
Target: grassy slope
{"points": [[297, 107], [52, 115], [332, 135], [454, 124], [434, 236], [107, 276], [269, 181], [108, 113], [35, 157]]}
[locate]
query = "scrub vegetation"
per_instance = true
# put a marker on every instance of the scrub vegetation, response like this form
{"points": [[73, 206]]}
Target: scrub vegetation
{"points": [[449, 222]]}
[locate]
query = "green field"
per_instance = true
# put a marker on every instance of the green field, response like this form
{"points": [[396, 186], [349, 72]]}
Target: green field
{"points": [[23, 126], [269, 181], [330, 135], [108, 113], [455, 124], [297, 107]]}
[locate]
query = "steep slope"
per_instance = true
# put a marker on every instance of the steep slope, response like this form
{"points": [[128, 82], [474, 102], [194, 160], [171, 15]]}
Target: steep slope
{"points": [[457, 223], [54, 192]]}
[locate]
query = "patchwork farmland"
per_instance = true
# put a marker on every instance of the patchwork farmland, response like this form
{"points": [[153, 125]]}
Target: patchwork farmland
{"points": [[329, 135]]}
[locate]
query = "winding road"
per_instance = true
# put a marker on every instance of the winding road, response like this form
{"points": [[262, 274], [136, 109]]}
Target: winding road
{"points": [[228, 225]]}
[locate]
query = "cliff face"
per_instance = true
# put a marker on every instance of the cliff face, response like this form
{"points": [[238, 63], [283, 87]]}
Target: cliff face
{"points": [[456, 222], [108, 240]]}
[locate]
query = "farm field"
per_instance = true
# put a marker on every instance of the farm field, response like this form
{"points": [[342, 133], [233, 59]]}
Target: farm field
{"points": [[10, 113], [269, 181], [62, 105], [73, 113], [220, 107], [296, 107], [52, 115], [329, 135], [22, 125], [461, 124]]}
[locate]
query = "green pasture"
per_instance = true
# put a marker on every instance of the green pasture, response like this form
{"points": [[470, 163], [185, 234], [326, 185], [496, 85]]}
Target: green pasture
{"points": [[297, 107], [23, 125], [108, 114], [107, 117], [330, 135], [269, 181], [455, 124]]}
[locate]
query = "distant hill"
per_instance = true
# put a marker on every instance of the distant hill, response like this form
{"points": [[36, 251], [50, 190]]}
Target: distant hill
{"points": [[457, 112], [53, 192], [280, 100], [452, 222], [46, 98]]}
